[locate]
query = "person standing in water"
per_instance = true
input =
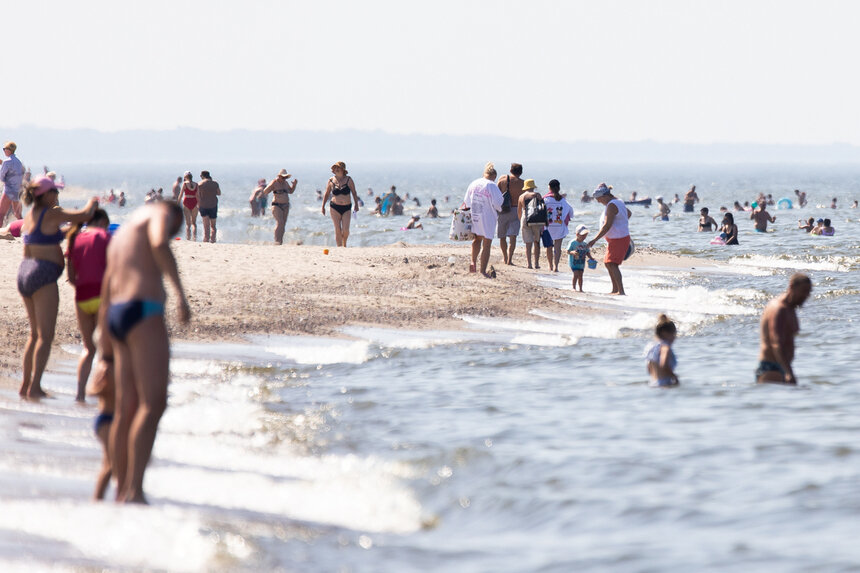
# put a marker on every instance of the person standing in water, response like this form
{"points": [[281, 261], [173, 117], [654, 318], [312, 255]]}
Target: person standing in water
{"points": [[761, 218], [87, 254], [37, 276], [659, 356], [615, 226], [139, 256], [779, 326], [706, 222], [690, 199], [177, 188]]}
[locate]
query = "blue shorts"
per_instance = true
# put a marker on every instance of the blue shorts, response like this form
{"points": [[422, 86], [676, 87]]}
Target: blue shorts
{"points": [[210, 213]]}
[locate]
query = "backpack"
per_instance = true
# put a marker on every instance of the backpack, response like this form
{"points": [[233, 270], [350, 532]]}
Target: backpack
{"points": [[536, 210]]}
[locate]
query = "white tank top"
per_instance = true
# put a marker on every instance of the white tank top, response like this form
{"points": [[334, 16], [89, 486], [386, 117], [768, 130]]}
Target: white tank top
{"points": [[619, 226]]}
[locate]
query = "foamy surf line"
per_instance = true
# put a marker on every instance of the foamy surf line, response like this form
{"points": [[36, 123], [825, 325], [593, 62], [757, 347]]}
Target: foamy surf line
{"points": [[651, 290], [834, 264]]}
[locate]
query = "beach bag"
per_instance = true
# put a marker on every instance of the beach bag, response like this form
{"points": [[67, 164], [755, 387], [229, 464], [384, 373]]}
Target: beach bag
{"points": [[536, 211], [461, 226], [546, 239]]}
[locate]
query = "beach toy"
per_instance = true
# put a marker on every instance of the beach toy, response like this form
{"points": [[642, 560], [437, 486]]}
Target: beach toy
{"points": [[113, 227], [592, 263], [718, 240], [754, 204], [784, 203], [325, 251]]}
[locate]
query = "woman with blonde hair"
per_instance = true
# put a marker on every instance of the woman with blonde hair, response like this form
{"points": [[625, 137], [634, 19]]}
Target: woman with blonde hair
{"points": [[37, 276], [341, 189]]}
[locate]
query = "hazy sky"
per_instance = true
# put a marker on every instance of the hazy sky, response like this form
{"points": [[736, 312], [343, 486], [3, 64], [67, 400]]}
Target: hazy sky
{"points": [[627, 70]]}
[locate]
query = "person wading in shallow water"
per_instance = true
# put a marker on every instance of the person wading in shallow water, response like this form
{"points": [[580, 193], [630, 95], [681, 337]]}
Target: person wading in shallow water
{"points": [[132, 312], [779, 326]]}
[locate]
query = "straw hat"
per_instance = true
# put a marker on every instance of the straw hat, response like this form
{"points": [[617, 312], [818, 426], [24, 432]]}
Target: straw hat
{"points": [[284, 173]]}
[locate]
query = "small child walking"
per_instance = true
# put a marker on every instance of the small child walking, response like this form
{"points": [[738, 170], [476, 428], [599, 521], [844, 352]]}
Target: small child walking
{"points": [[659, 356], [103, 386], [578, 252]]}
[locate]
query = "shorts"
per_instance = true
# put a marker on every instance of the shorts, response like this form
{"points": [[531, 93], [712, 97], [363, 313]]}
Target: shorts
{"points": [[209, 213], [508, 225], [688, 208], [91, 305], [616, 250], [12, 195], [531, 232]]}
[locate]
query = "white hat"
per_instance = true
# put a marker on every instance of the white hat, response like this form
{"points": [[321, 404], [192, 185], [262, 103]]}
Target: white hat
{"points": [[659, 197], [601, 190], [582, 230]]}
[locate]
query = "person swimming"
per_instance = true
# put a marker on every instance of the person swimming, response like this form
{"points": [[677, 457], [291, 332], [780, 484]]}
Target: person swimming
{"points": [[659, 356]]}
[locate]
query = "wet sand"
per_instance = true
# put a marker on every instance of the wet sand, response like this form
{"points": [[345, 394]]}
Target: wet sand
{"points": [[235, 290]]}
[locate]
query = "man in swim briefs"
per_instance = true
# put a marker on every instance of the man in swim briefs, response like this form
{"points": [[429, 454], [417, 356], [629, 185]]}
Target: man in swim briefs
{"points": [[779, 326], [207, 201], [133, 295]]}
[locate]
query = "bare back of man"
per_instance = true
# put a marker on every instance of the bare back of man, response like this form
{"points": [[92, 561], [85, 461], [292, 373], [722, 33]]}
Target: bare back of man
{"points": [[133, 294], [508, 222], [779, 326]]}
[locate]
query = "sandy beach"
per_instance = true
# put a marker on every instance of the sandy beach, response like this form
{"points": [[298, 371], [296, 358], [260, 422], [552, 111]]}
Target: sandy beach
{"points": [[240, 289]]}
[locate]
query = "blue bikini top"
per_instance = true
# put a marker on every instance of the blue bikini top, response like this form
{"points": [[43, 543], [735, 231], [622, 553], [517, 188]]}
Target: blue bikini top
{"points": [[37, 237]]}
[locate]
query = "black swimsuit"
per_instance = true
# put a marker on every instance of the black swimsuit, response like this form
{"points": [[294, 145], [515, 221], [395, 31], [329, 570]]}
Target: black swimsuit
{"points": [[340, 191]]}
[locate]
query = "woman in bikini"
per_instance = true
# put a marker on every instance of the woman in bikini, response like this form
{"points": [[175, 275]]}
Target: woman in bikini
{"points": [[343, 198], [281, 190], [37, 276], [188, 198]]}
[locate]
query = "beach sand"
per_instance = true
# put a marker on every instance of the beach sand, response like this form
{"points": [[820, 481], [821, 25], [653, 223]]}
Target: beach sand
{"points": [[240, 289]]}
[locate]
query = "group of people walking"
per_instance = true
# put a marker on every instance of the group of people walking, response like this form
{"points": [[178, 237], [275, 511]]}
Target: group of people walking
{"points": [[515, 205]]}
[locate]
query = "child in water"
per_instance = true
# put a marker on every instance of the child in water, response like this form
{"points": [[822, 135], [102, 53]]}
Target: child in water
{"points": [[577, 252], [103, 387], [659, 356]]}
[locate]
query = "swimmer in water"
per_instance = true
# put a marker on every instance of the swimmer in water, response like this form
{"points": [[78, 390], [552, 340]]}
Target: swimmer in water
{"points": [[706, 222], [660, 359]]}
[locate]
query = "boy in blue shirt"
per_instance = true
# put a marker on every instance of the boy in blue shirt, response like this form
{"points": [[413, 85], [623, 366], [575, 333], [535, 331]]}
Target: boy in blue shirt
{"points": [[578, 252]]}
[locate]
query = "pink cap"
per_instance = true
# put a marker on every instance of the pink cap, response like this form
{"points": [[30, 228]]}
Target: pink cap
{"points": [[43, 185]]}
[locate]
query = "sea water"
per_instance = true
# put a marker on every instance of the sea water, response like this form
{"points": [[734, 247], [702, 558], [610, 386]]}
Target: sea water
{"points": [[508, 445]]}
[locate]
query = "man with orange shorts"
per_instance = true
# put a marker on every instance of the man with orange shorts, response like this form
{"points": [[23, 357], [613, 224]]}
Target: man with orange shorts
{"points": [[615, 226]]}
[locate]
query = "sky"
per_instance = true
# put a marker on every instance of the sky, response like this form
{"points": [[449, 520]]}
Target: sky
{"points": [[751, 71]]}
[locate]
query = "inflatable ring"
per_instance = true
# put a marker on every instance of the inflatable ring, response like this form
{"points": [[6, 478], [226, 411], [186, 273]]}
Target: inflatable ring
{"points": [[784, 203]]}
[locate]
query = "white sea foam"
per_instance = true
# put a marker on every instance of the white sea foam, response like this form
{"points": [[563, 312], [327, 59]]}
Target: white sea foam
{"points": [[315, 350], [834, 264]]}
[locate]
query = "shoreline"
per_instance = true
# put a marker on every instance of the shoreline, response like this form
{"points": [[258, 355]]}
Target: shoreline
{"points": [[237, 290]]}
